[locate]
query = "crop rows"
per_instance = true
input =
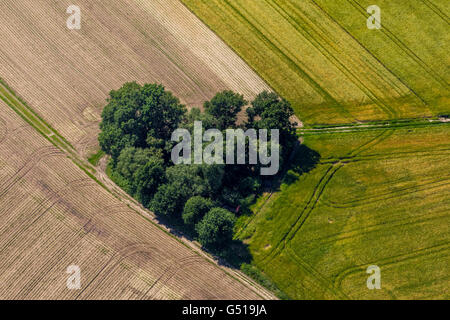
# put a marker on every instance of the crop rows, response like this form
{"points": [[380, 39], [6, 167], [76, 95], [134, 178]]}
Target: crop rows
{"points": [[403, 210], [53, 215], [66, 75], [320, 55]]}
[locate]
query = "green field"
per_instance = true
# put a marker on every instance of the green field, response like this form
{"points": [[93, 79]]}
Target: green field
{"points": [[376, 197], [320, 55], [356, 195]]}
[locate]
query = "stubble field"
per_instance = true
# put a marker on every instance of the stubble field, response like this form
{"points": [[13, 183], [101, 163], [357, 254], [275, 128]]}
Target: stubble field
{"points": [[378, 195], [66, 75], [54, 211]]}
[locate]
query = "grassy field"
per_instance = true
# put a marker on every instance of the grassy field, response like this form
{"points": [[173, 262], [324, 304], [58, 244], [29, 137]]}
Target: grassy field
{"points": [[56, 209], [378, 197], [320, 55], [357, 195]]}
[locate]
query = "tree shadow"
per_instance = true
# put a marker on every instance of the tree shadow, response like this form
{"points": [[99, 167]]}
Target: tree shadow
{"points": [[233, 255], [301, 160], [176, 227], [236, 254], [304, 160]]}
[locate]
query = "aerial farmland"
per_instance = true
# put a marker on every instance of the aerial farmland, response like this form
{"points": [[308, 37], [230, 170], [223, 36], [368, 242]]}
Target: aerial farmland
{"points": [[99, 99], [378, 193]]}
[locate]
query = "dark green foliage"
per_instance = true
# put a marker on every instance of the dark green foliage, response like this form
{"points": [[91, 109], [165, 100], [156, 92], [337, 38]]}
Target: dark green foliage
{"points": [[183, 182], [136, 115], [224, 107], [195, 114], [215, 230], [142, 171], [195, 209], [147, 179], [169, 200], [239, 182], [231, 197], [269, 111], [213, 178], [113, 140], [189, 175], [136, 129]]}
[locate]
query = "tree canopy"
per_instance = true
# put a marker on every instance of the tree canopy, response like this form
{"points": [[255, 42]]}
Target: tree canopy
{"points": [[136, 129], [269, 111], [195, 209], [136, 115], [141, 172], [224, 107], [215, 230]]}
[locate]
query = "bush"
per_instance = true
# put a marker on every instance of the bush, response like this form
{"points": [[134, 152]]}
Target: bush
{"points": [[195, 209], [143, 172], [215, 230], [170, 199]]}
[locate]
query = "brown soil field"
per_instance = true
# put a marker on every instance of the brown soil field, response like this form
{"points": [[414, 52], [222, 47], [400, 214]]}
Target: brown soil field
{"points": [[65, 75], [53, 215]]}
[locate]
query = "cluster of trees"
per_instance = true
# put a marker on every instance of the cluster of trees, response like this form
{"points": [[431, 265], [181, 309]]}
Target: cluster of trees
{"points": [[136, 130]]}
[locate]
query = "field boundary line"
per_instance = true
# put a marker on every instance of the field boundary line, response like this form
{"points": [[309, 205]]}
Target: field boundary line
{"points": [[306, 77], [25, 106]]}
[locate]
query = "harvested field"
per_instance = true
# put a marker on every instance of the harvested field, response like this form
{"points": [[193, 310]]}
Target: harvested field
{"points": [[65, 75], [320, 55], [53, 215]]}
